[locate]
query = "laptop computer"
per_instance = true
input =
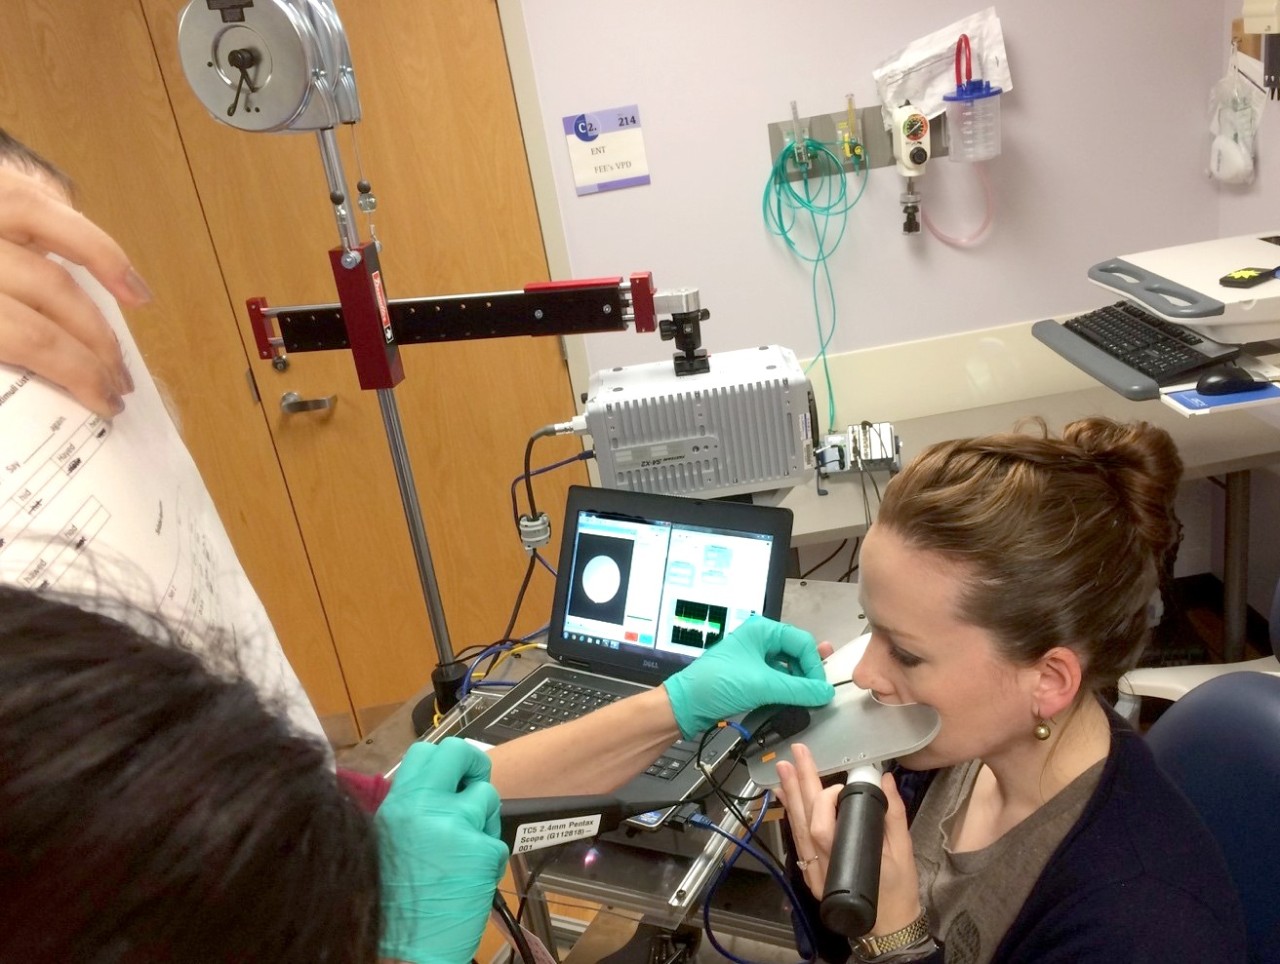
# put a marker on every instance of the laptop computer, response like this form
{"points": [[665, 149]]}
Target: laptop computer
{"points": [[646, 584]]}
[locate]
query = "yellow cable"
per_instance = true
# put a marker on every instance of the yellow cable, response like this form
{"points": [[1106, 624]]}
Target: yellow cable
{"points": [[502, 657]]}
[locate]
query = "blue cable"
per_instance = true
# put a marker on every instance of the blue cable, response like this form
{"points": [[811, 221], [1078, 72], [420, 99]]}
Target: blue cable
{"points": [[701, 820], [742, 732], [485, 653], [547, 566], [494, 650]]}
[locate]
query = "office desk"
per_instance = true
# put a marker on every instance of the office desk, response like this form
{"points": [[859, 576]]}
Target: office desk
{"points": [[1227, 444]]}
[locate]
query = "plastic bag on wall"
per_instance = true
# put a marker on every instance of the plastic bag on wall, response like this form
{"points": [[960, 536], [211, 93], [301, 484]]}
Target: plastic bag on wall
{"points": [[924, 70], [1235, 111]]}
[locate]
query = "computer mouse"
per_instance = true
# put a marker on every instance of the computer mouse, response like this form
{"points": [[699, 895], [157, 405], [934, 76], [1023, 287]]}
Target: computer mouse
{"points": [[1227, 380]]}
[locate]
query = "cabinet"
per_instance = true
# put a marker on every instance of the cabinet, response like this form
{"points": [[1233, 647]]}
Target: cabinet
{"points": [[213, 216]]}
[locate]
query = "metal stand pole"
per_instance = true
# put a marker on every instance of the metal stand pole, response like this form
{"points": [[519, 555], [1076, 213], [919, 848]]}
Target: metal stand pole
{"points": [[1235, 566], [417, 528], [336, 178]]}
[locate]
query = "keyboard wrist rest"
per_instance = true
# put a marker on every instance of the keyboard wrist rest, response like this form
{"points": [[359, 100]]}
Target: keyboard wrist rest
{"points": [[1113, 373]]}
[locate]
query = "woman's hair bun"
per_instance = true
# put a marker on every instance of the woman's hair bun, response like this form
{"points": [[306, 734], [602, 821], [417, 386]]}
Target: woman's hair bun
{"points": [[1142, 463]]}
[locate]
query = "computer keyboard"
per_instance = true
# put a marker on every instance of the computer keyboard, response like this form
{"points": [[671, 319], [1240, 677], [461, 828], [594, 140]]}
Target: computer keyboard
{"points": [[1159, 349]]}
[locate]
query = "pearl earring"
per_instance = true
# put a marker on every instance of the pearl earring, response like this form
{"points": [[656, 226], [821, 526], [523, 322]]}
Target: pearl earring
{"points": [[1042, 731]]}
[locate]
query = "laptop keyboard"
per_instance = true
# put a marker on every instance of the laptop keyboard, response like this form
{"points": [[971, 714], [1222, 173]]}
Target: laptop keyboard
{"points": [[674, 759], [554, 701], [557, 701]]}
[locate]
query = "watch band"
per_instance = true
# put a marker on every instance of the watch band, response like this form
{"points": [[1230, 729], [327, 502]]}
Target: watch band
{"points": [[874, 946]]}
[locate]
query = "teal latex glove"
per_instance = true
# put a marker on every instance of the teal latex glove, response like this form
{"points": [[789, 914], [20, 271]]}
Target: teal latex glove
{"points": [[439, 854], [760, 662]]}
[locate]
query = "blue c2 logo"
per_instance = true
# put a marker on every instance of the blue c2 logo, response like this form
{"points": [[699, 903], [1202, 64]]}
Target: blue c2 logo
{"points": [[585, 128]]}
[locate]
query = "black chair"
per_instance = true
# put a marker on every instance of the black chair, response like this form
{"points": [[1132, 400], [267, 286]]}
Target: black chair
{"points": [[1221, 744]]}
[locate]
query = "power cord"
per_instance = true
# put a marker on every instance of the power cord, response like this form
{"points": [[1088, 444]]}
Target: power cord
{"points": [[853, 561], [520, 943], [515, 483], [545, 432], [730, 801], [451, 684], [812, 569], [533, 877], [519, 603], [534, 528]]}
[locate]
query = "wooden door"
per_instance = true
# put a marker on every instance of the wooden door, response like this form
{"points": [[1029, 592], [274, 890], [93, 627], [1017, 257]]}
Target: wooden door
{"points": [[441, 145], [214, 215], [80, 83]]}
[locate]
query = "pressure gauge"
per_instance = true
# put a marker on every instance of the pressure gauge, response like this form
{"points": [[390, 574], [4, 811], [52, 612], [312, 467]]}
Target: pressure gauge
{"points": [[915, 127], [910, 132]]}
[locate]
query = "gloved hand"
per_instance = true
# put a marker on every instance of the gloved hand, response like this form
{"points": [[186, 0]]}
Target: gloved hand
{"points": [[439, 854], [760, 662]]}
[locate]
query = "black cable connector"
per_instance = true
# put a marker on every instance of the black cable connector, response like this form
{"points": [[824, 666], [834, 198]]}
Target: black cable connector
{"points": [[682, 815]]}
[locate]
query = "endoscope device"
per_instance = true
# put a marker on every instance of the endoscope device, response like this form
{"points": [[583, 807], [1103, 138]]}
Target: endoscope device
{"points": [[852, 733]]}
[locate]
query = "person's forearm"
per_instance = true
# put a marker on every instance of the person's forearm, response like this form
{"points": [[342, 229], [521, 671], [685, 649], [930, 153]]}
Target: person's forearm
{"points": [[595, 753]]}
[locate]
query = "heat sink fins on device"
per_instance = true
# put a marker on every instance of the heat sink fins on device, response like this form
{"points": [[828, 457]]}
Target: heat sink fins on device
{"points": [[743, 426]]}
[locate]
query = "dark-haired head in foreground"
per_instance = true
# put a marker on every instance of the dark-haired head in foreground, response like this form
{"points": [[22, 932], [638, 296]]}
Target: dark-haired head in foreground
{"points": [[153, 809]]}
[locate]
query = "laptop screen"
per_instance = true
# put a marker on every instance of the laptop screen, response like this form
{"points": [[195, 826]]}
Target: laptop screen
{"points": [[647, 583]]}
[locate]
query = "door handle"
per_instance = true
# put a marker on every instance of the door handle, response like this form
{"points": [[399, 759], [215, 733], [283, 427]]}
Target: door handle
{"points": [[292, 402]]}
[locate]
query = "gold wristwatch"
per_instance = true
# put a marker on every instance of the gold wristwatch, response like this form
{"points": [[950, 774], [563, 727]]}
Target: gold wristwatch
{"points": [[874, 945]]}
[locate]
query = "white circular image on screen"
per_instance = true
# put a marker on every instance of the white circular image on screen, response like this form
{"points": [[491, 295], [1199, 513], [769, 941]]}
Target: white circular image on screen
{"points": [[601, 578]]}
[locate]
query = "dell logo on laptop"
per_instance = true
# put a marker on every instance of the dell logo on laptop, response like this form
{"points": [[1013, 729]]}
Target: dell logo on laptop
{"points": [[650, 663]]}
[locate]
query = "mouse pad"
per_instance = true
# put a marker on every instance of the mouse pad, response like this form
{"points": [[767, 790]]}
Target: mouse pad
{"points": [[1191, 402], [852, 730]]}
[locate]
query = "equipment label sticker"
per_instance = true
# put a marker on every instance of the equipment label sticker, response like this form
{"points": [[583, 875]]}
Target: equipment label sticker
{"points": [[387, 335], [552, 833], [606, 149]]}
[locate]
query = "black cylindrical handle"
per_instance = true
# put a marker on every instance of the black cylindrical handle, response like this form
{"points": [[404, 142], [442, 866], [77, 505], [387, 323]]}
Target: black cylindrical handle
{"points": [[852, 889]]}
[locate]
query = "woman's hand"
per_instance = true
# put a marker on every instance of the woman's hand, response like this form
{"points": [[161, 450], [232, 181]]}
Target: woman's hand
{"points": [[48, 324], [811, 810], [899, 903]]}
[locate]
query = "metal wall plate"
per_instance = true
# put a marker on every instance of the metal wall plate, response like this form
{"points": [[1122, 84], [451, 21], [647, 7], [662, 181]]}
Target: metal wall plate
{"points": [[876, 142]]}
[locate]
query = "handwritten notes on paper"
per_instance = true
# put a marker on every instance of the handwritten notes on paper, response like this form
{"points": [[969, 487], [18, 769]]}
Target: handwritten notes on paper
{"points": [[118, 509]]}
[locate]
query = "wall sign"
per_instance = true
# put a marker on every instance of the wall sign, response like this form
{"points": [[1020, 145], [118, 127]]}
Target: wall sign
{"points": [[606, 149]]}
